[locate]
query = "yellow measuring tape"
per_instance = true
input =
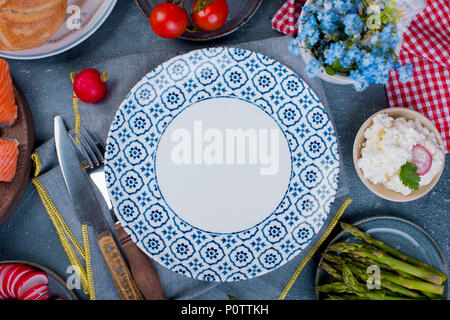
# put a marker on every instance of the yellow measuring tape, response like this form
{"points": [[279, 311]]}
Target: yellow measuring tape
{"points": [[65, 235], [308, 257], [75, 109]]}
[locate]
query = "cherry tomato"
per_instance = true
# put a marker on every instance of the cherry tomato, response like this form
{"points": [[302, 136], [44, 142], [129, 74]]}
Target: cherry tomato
{"points": [[168, 20], [422, 158], [90, 85], [212, 17]]}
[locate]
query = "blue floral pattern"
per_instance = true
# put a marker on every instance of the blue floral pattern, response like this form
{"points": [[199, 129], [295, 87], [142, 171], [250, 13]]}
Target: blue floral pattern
{"points": [[235, 77], [289, 114], [167, 91], [145, 94], [211, 253], [136, 152], [178, 70], [292, 85], [241, 256], [206, 73]]}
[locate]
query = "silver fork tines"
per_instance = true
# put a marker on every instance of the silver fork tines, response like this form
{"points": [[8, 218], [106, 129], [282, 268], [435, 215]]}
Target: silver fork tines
{"points": [[90, 150], [89, 147]]}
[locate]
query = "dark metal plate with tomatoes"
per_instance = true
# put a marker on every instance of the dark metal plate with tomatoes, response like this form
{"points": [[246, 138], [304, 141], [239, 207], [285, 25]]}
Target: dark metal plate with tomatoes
{"points": [[217, 18]]}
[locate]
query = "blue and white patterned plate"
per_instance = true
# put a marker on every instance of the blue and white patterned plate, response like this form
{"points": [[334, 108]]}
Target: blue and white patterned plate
{"points": [[208, 222]]}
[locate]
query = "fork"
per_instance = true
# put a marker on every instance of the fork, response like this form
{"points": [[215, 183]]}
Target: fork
{"points": [[90, 150]]}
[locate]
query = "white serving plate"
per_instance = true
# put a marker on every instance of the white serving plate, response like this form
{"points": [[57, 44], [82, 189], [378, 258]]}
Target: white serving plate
{"points": [[192, 204], [92, 14]]}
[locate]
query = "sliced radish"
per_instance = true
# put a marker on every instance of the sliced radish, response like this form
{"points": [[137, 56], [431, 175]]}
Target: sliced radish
{"points": [[35, 293], [19, 280], [44, 297], [36, 279], [422, 158], [15, 274], [4, 269], [9, 275]]}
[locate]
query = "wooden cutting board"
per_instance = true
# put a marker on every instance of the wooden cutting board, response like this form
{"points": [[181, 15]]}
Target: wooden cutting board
{"points": [[23, 131]]}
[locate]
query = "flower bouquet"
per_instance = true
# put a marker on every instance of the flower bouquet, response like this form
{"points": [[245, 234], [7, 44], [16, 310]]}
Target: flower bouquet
{"points": [[354, 41]]}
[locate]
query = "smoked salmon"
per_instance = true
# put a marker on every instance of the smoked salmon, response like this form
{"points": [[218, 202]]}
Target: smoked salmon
{"points": [[8, 107], [9, 152]]}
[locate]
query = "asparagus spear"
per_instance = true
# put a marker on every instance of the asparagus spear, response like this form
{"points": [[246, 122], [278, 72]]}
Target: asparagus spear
{"points": [[369, 262], [380, 256], [386, 284], [353, 287], [360, 290], [360, 273], [362, 296], [338, 287], [375, 296], [334, 258], [394, 252], [405, 275], [330, 270], [334, 297], [400, 273], [350, 280], [344, 297]]}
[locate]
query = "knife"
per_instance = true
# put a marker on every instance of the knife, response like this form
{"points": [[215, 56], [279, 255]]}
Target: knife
{"points": [[89, 212], [142, 269]]}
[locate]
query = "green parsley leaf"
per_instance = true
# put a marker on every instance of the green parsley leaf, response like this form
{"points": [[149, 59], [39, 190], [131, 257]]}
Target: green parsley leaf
{"points": [[409, 177]]}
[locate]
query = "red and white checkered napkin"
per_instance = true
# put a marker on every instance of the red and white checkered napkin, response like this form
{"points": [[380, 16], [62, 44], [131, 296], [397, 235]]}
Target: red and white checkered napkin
{"points": [[426, 44], [285, 19]]}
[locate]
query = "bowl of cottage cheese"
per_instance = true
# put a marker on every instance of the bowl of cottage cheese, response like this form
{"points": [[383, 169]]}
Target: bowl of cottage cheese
{"points": [[398, 154]]}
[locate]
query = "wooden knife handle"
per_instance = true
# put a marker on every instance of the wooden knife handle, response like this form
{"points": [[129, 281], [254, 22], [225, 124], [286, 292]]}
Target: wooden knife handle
{"points": [[142, 268], [118, 268]]}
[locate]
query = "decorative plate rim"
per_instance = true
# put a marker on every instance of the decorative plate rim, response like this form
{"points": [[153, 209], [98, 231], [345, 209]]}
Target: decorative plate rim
{"points": [[310, 103]]}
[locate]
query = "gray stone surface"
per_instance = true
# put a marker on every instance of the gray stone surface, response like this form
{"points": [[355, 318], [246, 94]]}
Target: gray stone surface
{"points": [[126, 31]]}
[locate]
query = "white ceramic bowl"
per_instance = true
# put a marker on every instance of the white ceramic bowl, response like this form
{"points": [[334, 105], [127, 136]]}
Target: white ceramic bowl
{"points": [[380, 189]]}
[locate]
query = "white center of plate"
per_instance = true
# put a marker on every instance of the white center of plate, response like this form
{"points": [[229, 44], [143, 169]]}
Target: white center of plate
{"points": [[223, 165]]}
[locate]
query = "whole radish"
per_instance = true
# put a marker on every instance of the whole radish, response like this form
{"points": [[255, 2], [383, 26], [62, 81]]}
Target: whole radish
{"points": [[90, 85]]}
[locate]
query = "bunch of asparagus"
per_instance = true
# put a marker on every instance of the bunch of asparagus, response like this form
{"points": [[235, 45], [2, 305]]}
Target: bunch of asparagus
{"points": [[401, 276]]}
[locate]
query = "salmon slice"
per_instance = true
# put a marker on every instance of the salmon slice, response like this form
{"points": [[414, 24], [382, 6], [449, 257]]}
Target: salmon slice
{"points": [[8, 107], [9, 152]]}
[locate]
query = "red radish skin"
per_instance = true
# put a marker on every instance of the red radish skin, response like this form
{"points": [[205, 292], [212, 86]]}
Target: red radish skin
{"points": [[9, 276], [15, 275], [20, 280], [44, 297], [422, 158], [38, 278], [90, 85], [35, 293], [4, 269]]}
